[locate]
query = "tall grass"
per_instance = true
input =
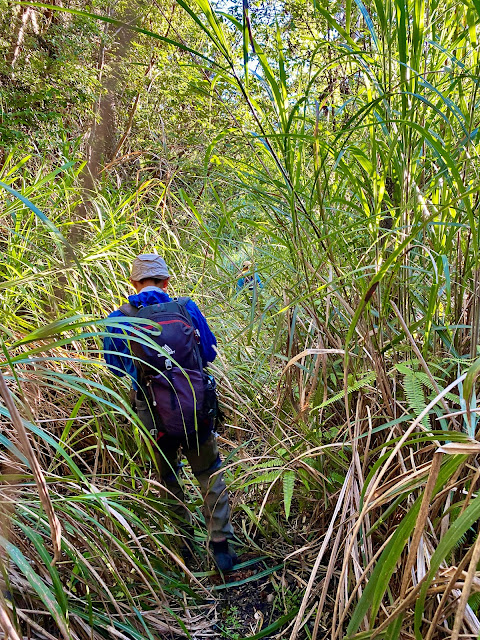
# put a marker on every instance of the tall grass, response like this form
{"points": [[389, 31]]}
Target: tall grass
{"points": [[117, 570], [378, 229], [353, 372]]}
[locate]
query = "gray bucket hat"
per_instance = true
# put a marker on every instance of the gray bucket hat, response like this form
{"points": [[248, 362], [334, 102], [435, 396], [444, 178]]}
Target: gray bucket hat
{"points": [[149, 265]]}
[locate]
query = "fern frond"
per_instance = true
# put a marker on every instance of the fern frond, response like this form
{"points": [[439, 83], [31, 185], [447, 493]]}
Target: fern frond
{"points": [[270, 476], [414, 393], [359, 384]]}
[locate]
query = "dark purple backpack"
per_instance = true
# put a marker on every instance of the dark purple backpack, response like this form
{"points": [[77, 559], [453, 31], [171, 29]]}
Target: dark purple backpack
{"points": [[173, 369]]}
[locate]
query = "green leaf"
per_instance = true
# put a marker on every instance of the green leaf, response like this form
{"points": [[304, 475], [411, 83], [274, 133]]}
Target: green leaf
{"points": [[280, 622], [40, 588], [288, 486], [445, 546], [39, 545], [469, 385], [37, 212], [132, 27]]}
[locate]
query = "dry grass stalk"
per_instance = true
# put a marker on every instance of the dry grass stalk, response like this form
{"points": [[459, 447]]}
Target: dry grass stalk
{"points": [[29, 453], [300, 616]]}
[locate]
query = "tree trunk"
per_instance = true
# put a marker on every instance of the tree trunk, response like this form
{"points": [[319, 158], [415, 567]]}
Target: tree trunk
{"points": [[20, 26], [103, 135]]}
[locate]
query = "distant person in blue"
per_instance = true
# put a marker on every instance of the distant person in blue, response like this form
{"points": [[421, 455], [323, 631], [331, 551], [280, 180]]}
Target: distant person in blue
{"points": [[249, 280], [150, 278]]}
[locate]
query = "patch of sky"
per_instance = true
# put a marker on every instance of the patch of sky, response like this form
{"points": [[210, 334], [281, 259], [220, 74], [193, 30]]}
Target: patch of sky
{"points": [[265, 12]]}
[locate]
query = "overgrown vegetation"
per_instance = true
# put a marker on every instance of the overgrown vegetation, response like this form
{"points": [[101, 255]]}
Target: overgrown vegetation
{"points": [[335, 147]]}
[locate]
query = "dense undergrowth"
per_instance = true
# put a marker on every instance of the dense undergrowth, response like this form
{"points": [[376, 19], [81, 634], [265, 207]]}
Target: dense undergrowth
{"points": [[348, 384]]}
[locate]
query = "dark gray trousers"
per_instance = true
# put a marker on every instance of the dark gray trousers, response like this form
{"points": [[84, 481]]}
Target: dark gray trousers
{"points": [[205, 462]]}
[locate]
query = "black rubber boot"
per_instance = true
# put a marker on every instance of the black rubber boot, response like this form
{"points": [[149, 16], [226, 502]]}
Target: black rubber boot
{"points": [[224, 556]]}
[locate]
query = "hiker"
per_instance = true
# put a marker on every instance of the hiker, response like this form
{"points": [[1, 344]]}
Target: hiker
{"points": [[179, 421], [249, 280]]}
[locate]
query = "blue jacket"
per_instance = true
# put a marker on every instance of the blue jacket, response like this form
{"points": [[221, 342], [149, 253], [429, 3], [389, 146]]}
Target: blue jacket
{"points": [[117, 353], [248, 282]]}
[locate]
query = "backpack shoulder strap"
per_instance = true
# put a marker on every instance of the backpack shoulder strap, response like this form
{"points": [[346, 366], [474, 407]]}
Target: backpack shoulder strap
{"points": [[182, 304], [182, 301], [128, 310]]}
